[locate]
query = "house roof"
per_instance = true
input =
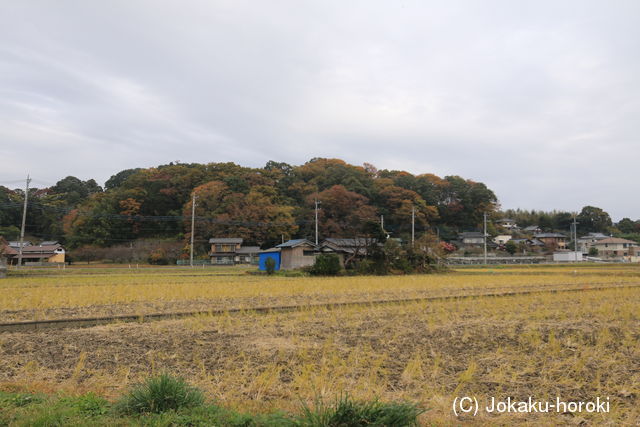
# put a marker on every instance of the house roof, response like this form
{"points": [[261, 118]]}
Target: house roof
{"points": [[49, 243], [41, 249], [532, 228], [270, 250], [507, 220], [614, 240], [248, 250], [357, 242], [550, 235], [594, 236], [294, 243], [17, 244], [235, 240], [469, 234]]}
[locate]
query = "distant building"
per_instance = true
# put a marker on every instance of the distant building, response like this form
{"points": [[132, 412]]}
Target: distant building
{"points": [[229, 251], [586, 242], [616, 248], [274, 254], [297, 253], [567, 256], [532, 229], [52, 252], [552, 240], [502, 239], [507, 223], [471, 238]]}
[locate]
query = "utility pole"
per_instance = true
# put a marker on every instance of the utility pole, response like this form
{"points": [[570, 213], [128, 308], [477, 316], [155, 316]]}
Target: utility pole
{"points": [[317, 203], [485, 238], [193, 220], [575, 238], [382, 222], [24, 221], [413, 225]]}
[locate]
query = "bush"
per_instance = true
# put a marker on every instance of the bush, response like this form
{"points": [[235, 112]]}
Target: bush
{"points": [[346, 412], [160, 394], [326, 265], [270, 265], [158, 257]]}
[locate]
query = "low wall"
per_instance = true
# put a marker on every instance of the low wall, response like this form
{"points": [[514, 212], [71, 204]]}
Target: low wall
{"points": [[495, 260]]}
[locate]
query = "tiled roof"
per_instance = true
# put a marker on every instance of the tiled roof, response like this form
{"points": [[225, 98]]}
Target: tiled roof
{"points": [[248, 250], [614, 240], [293, 243], [226, 240]]}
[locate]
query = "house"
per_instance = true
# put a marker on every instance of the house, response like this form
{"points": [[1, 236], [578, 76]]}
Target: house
{"points": [[229, 251], [586, 242], [297, 253], [528, 245], [471, 238], [53, 252], [552, 241], [346, 249], [507, 223], [273, 253], [532, 229], [502, 239], [616, 248]]}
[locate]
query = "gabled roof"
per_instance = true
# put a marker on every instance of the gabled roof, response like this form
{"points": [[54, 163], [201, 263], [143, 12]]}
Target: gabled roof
{"points": [[470, 234], [532, 228], [351, 243], [17, 244], [49, 243], [41, 249], [270, 250], [248, 250], [614, 240], [550, 235], [295, 243], [226, 240]]}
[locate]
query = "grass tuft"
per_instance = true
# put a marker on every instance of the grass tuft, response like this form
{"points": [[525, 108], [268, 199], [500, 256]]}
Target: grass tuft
{"points": [[346, 412], [160, 394]]}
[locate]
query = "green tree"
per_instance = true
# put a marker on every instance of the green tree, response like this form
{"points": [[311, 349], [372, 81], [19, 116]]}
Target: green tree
{"points": [[593, 219]]}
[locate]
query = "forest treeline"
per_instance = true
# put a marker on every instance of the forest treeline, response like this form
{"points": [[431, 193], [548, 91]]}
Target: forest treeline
{"points": [[261, 205]]}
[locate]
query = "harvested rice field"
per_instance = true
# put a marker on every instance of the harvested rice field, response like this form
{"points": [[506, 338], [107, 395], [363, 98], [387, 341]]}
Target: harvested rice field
{"points": [[545, 331]]}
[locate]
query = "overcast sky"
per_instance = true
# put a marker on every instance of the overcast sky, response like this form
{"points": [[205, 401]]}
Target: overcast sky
{"points": [[540, 100]]}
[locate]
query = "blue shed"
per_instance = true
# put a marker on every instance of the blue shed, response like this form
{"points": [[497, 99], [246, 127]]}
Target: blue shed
{"points": [[273, 253]]}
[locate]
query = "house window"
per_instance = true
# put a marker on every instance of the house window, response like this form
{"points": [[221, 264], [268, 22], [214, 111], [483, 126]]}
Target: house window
{"points": [[308, 253]]}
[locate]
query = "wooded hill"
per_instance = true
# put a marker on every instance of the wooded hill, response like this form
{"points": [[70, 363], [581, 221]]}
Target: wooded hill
{"points": [[261, 205]]}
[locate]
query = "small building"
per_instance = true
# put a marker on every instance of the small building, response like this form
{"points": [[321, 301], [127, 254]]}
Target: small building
{"points": [[297, 253], [532, 229], [38, 254], [552, 241], [567, 256], [348, 250], [586, 242], [229, 251], [508, 223], [273, 253], [471, 238], [617, 248], [502, 239]]}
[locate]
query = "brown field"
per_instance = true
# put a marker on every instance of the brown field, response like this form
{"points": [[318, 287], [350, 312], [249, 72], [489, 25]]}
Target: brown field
{"points": [[576, 345]]}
